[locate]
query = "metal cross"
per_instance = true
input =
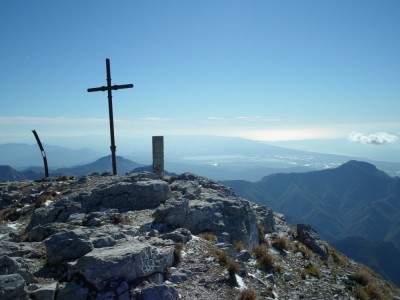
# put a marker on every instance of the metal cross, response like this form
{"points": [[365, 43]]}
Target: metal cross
{"points": [[109, 88]]}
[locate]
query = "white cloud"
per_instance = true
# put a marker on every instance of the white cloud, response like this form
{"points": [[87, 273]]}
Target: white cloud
{"points": [[380, 138]]}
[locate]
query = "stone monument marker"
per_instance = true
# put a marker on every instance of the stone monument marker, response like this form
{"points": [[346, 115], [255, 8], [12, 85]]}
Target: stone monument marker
{"points": [[158, 156]]}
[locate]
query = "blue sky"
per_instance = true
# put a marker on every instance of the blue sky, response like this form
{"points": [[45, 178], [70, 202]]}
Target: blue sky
{"points": [[293, 72]]}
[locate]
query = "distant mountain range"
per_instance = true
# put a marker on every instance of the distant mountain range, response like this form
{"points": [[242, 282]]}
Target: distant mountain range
{"points": [[214, 157], [23, 156], [354, 199], [101, 165]]}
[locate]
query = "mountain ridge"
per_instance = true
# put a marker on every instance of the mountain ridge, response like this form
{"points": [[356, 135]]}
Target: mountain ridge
{"points": [[354, 199]]}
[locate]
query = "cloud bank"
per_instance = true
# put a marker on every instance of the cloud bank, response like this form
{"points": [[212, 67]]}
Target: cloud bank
{"points": [[380, 138]]}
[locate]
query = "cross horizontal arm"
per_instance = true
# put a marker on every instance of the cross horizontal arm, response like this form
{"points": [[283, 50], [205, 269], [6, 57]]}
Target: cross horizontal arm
{"points": [[98, 89], [122, 86], [113, 87]]}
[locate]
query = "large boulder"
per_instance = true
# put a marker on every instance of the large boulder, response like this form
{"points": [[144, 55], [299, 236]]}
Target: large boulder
{"points": [[205, 206], [65, 246], [264, 216], [127, 261], [125, 196], [12, 287], [160, 292], [15, 265], [309, 237], [56, 212]]}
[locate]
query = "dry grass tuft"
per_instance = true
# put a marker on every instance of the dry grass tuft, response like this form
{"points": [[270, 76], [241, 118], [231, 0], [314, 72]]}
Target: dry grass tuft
{"points": [[360, 294], [311, 271], [41, 200], [360, 277], [261, 235], [247, 294], [178, 252], [303, 249], [281, 243], [265, 260], [259, 250], [233, 268], [208, 236], [238, 246], [221, 255]]}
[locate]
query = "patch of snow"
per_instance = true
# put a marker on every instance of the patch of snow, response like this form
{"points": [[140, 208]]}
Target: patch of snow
{"points": [[196, 238], [240, 282], [47, 203], [14, 225]]}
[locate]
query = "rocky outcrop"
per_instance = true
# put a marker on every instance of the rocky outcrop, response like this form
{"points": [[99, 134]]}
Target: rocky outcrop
{"points": [[202, 205], [12, 287], [309, 237], [124, 262], [137, 237]]}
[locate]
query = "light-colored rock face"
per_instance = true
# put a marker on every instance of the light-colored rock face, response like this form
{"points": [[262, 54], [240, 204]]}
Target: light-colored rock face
{"points": [[136, 237], [202, 205], [127, 261]]}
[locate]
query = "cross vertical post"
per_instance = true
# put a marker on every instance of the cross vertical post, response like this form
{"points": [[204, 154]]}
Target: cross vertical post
{"points": [[109, 89]]}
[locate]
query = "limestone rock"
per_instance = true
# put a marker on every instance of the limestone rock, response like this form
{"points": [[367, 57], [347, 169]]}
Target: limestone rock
{"points": [[215, 210], [123, 262], [160, 292], [264, 216], [12, 287], [72, 290], [126, 196], [56, 212], [15, 265], [180, 235], [65, 246], [45, 292], [309, 237]]}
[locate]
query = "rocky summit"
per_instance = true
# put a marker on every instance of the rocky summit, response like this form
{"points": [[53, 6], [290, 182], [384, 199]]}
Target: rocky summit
{"points": [[138, 237]]}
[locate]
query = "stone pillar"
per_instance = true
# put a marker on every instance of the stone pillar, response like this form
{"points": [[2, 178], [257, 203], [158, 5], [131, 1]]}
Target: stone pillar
{"points": [[158, 156]]}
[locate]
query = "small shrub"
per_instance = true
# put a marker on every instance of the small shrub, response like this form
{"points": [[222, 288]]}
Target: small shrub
{"points": [[360, 294], [259, 250], [208, 236], [278, 268], [374, 292], [304, 250], [238, 246], [336, 256], [247, 294], [261, 235], [281, 243], [221, 255], [360, 277], [178, 252], [233, 268], [265, 262], [41, 200], [311, 271]]}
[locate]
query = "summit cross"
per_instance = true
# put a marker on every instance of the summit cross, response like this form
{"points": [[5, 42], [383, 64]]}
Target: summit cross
{"points": [[109, 89]]}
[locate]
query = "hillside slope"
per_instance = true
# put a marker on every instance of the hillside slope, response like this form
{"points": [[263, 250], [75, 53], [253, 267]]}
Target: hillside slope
{"points": [[183, 237], [354, 199]]}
